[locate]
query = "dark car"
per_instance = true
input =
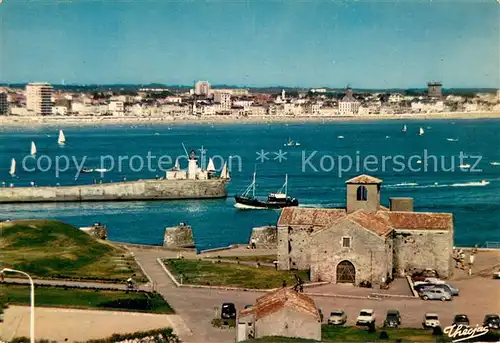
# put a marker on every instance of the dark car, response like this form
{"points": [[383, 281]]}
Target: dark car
{"points": [[461, 319], [392, 319], [492, 321], [228, 311], [421, 275]]}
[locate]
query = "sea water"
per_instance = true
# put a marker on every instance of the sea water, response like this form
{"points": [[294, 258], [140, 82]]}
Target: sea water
{"points": [[313, 171]]}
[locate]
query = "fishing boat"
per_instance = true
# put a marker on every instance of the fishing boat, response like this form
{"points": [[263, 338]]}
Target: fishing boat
{"points": [[404, 128], [33, 148], [421, 132], [62, 139], [291, 143], [12, 170], [280, 199]]}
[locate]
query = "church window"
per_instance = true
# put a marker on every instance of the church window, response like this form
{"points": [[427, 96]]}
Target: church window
{"points": [[361, 193], [346, 242]]}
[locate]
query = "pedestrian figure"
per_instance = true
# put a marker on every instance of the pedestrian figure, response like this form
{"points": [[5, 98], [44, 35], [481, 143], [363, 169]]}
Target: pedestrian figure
{"points": [[275, 264], [253, 243], [284, 283], [462, 259]]}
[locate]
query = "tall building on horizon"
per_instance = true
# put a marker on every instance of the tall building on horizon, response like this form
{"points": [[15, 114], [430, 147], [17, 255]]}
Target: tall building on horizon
{"points": [[39, 98], [434, 89], [202, 88], [4, 103]]}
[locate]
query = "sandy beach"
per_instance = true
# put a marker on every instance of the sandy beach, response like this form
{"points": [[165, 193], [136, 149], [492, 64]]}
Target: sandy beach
{"points": [[23, 121]]}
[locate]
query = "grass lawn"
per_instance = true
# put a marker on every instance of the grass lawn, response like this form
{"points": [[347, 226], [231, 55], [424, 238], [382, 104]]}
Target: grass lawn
{"points": [[231, 274], [85, 298], [261, 259], [52, 249]]}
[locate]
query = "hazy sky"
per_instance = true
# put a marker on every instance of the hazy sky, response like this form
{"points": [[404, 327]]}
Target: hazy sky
{"points": [[367, 44]]}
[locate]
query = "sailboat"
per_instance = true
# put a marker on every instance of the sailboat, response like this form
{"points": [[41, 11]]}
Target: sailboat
{"points": [[12, 171], [291, 143], [62, 139], [33, 148], [421, 132], [280, 199], [211, 166], [224, 174], [404, 128]]}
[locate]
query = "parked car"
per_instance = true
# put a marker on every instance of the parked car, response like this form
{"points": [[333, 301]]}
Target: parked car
{"points": [[228, 311], [449, 288], [392, 319], [366, 317], [421, 275], [431, 320], [435, 294], [492, 321], [337, 317], [461, 319]]}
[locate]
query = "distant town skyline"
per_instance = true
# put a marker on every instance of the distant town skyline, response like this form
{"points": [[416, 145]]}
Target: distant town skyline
{"points": [[367, 45]]}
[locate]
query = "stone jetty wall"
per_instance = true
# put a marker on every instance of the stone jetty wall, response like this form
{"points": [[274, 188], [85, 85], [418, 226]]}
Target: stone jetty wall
{"points": [[265, 237], [180, 236], [129, 190]]}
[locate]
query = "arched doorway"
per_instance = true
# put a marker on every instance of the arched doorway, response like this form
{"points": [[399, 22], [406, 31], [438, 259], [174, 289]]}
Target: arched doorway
{"points": [[346, 273]]}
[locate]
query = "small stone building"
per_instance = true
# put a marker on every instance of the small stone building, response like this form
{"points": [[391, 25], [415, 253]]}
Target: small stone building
{"points": [[283, 312], [364, 241]]}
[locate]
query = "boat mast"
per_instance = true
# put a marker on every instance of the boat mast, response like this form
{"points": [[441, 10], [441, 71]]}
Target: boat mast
{"points": [[286, 184], [253, 185]]}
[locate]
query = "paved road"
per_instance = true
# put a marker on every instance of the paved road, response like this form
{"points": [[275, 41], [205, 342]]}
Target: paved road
{"points": [[100, 285], [196, 306]]}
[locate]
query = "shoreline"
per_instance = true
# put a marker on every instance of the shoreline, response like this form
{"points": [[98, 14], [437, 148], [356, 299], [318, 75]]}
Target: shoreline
{"points": [[22, 121]]}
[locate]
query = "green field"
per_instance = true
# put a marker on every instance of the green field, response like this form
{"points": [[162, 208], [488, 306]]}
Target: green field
{"points": [[52, 249], [85, 298], [230, 274]]}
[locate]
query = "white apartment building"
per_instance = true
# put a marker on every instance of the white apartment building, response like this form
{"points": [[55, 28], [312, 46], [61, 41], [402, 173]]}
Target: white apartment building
{"points": [[243, 103], [348, 106], [116, 107], [224, 99], [39, 98], [313, 108], [202, 88], [4, 103]]}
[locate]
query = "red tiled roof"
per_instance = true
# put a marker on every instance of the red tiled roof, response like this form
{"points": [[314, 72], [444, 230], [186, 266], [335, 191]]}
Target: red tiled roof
{"points": [[421, 220], [278, 299], [376, 222], [366, 179], [310, 216]]}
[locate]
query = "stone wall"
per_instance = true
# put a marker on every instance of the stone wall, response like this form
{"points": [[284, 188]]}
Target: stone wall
{"points": [[369, 253], [288, 322], [130, 190], [178, 237], [423, 249], [294, 247], [265, 237]]}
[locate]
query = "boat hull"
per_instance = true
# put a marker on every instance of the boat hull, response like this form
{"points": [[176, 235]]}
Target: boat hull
{"points": [[252, 203]]}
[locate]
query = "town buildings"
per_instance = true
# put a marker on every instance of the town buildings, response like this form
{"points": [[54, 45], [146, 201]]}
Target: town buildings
{"points": [[202, 88], [4, 103], [283, 312], [364, 241], [348, 106], [39, 98]]}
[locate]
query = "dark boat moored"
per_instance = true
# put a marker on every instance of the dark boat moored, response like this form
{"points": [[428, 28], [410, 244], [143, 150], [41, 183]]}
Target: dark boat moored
{"points": [[274, 200]]}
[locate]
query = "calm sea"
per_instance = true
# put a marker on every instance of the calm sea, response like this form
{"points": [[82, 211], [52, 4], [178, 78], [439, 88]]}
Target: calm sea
{"points": [[313, 179]]}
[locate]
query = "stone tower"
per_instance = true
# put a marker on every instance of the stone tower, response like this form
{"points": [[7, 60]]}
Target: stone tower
{"points": [[363, 192]]}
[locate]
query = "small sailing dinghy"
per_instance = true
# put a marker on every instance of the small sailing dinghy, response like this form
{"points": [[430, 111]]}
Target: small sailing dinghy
{"points": [[421, 132], [211, 166], [224, 174], [404, 128], [62, 139], [33, 148], [12, 170], [280, 199]]}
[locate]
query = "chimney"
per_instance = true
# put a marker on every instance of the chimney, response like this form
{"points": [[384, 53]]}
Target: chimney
{"points": [[401, 204]]}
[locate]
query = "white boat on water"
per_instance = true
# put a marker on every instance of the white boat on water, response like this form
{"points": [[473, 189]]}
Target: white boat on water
{"points": [[464, 166], [421, 132], [495, 163], [291, 143], [224, 174], [100, 170], [33, 148], [404, 128], [452, 139], [211, 166], [12, 170], [62, 139], [340, 137]]}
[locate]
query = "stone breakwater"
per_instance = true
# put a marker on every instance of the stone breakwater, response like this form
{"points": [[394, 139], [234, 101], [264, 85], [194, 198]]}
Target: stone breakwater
{"points": [[118, 191]]}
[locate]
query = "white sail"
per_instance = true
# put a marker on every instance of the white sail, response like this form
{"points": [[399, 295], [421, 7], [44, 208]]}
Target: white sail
{"points": [[404, 128], [210, 167], [12, 167], [177, 166], [421, 132], [33, 148], [224, 174], [62, 138]]}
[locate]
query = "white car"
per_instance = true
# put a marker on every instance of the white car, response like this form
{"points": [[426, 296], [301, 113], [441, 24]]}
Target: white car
{"points": [[431, 320], [366, 317]]}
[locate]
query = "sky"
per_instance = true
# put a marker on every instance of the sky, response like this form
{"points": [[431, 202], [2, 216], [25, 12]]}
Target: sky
{"points": [[295, 43]]}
